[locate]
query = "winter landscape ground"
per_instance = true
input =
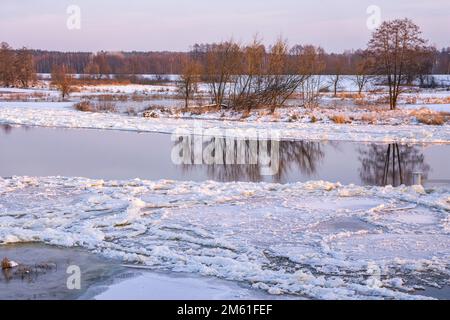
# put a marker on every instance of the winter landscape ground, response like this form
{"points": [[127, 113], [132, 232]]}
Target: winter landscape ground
{"points": [[307, 239], [240, 150]]}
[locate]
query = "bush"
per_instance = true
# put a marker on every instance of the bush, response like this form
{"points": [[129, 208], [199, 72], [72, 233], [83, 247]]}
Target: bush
{"points": [[431, 119], [84, 106], [106, 106], [150, 114], [339, 119], [367, 118], [293, 117], [102, 106]]}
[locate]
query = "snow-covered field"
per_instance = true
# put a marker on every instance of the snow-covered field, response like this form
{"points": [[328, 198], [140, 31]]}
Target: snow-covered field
{"points": [[59, 115], [315, 240], [365, 121]]}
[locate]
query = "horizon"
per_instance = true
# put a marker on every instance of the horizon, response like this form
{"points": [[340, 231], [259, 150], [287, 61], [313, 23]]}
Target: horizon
{"points": [[175, 25]]}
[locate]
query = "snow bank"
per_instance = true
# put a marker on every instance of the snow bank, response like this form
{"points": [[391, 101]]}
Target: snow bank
{"points": [[61, 117], [316, 239]]}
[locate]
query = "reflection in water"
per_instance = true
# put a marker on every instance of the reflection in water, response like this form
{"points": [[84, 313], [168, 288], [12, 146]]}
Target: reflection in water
{"points": [[304, 156], [393, 164], [117, 155], [6, 128]]}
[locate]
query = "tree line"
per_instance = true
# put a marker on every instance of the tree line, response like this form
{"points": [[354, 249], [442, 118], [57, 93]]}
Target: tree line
{"points": [[251, 76], [171, 62]]}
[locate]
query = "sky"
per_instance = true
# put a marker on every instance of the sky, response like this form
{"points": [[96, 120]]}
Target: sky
{"points": [[175, 25]]}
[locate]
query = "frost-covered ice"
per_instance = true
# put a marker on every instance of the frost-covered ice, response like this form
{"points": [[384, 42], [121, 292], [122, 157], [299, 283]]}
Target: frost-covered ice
{"points": [[69, 118], [315, 240]]}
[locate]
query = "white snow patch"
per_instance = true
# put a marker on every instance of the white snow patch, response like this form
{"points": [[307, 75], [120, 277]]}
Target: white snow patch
{"points": [[66, 118]]}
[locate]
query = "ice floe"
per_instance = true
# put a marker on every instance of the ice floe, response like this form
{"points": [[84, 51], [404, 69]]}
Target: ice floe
{"points": [[315, 239]]}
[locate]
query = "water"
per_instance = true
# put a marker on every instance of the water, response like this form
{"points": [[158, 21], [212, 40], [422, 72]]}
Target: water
{"points": [[47, 279], [121, 155], [105, 279]]}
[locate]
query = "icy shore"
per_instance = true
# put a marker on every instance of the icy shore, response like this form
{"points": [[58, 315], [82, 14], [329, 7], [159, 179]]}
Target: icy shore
{"points": [[315, 240]]}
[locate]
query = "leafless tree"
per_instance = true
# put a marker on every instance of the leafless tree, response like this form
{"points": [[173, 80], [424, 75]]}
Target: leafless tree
{"points": [[63, 80], [396, 47], [221, 64], [311, 63], [93, 70], [363, 66], [248, 82], [24, 67], [7, 59], [339, 69], [280, 84], [189, 80]]}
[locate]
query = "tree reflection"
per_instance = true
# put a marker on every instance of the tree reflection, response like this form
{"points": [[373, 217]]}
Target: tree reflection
{"points": [[393, 164], [304, 156], [6, 128]]}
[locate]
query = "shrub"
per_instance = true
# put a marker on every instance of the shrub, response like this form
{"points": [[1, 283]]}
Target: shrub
{"points": [[150, 114], [339, 119], [102, 106], [84, 106], [349, 95], [293, 117], [106, 106], [368, 118], [431, 119]]}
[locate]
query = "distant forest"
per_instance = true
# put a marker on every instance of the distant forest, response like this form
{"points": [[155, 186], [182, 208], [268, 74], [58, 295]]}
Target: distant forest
{"points": [[172, 62]]}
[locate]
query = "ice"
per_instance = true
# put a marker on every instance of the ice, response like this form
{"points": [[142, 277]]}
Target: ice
{"points": [[314, 240]]}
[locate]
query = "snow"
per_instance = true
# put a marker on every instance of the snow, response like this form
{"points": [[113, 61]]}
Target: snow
{"points": [[37, 105], [129, 89], [434, 107], [315, 240], [57, 115]]}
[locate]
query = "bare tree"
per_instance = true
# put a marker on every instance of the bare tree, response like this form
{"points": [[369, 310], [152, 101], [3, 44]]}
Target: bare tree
{"points": [[284, 74], [221, 64], [101, 59], [189, 79], [248, 82], [24, 67], [396, 46], [423, 66], [63, 80], [7, 59], [245, 77], [338, 67], [311, 63], [363, 65], [93, 70]]}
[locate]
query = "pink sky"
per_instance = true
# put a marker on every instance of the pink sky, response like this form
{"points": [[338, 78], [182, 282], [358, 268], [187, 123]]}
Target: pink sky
{"points": [[177, 24]]}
